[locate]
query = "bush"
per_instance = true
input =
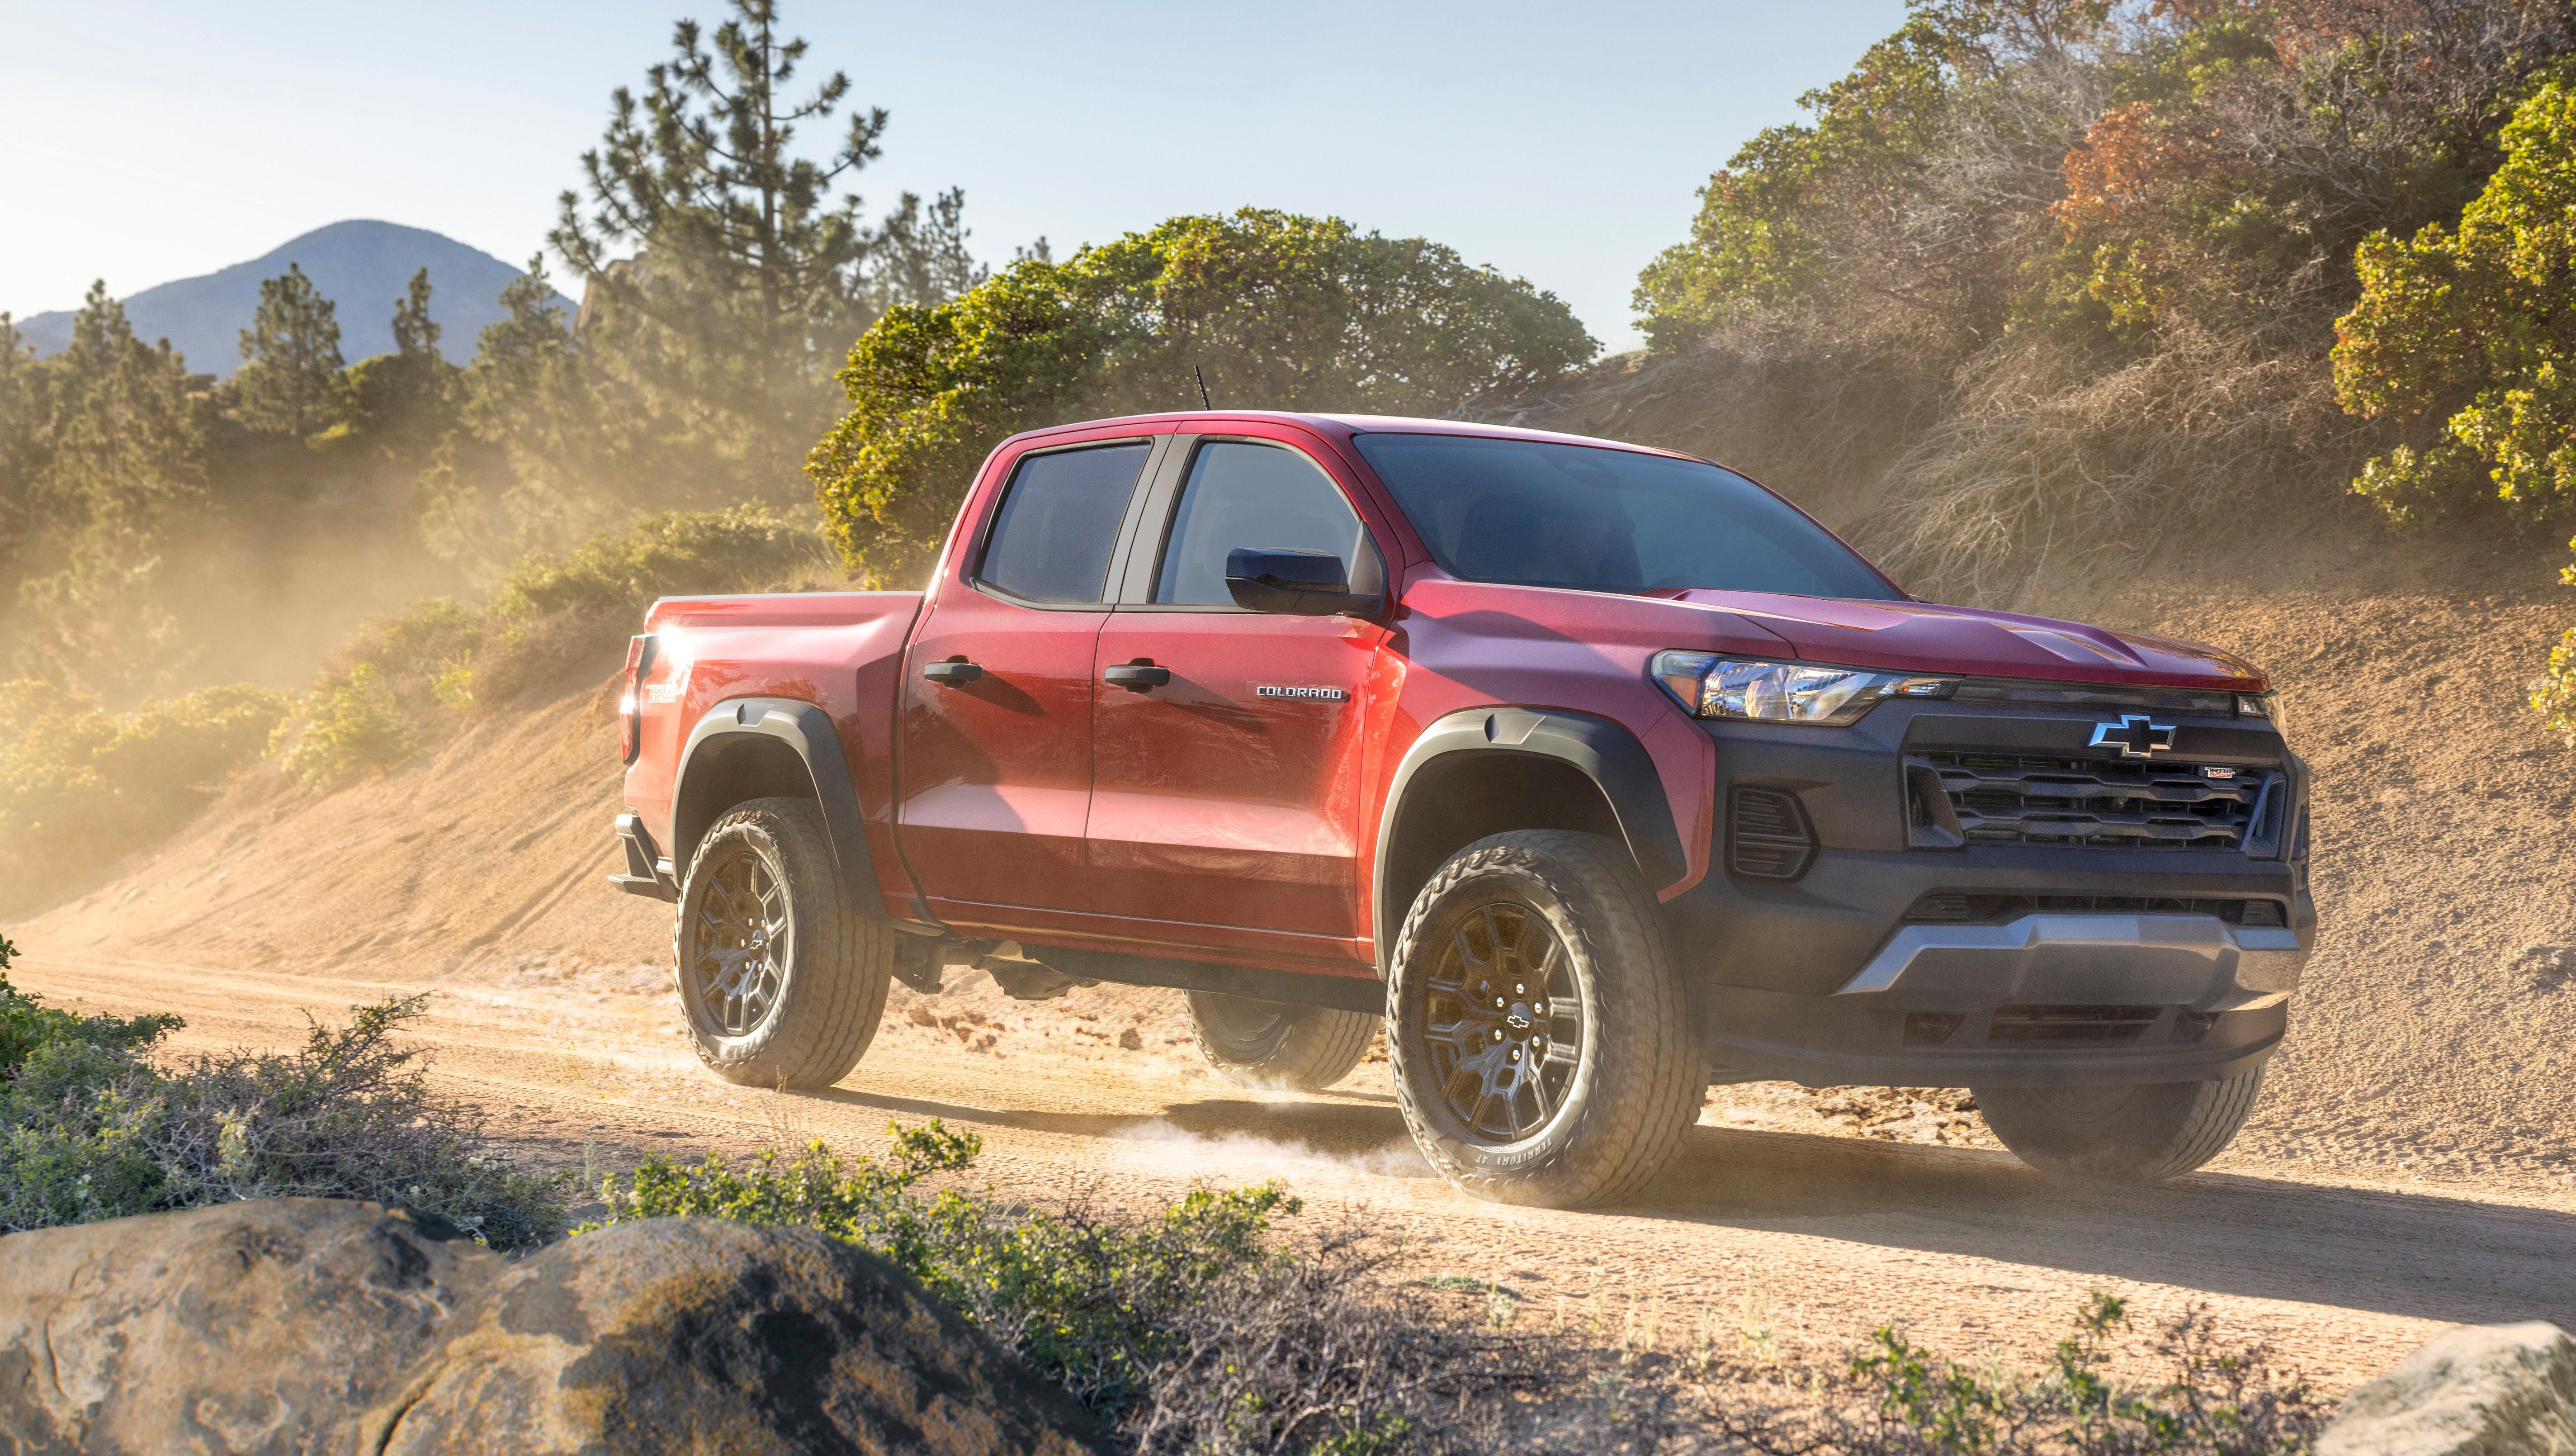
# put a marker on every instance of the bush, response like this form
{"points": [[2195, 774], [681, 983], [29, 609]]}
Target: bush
{"points": [[2555, 698], [91, 1128], [554, 620], [1092, 1303], [81, 786], [2472, 324], [1282, 312]]}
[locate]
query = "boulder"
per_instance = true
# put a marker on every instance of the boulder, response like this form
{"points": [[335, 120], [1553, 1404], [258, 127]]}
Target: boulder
{"points": [[2484, 1390], [310, 1325]]}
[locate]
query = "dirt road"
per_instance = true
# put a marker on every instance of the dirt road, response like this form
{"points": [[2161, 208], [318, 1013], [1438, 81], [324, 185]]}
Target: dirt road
{"points": [[1810, 1234]]}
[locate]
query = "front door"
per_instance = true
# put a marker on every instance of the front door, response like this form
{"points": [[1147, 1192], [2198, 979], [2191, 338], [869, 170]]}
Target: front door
{"points": [[1226, 799], [995, 759]]}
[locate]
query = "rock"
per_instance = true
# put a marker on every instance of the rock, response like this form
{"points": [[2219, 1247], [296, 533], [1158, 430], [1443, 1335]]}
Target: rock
{"points": [[314, 1325], [2544, 966], [2487, 1390]]}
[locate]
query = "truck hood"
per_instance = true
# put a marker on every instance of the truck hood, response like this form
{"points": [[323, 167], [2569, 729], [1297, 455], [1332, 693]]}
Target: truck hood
{"points": [[1922, 637]]}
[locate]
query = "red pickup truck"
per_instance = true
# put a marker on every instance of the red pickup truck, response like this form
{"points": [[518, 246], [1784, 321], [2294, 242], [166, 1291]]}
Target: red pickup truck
{"points": [[1593, 773]]}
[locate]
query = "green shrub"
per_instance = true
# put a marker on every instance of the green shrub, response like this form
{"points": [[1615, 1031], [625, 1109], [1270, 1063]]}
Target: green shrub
{"points": [[81, 786], [2556, 698], [554, 621], [92, 1128], [1093, 1303], [352, 726]]}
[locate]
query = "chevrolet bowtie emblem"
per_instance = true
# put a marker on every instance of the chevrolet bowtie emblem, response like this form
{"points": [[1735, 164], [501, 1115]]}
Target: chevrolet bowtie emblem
{"points": [[2134, 736]]}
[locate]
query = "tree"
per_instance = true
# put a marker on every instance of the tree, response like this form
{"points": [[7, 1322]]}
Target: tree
{"points": [[289, 382], [748, 276], [128, 447], [26, 415], [919, 255], [404, 402], [534, 461], [1280, 311]]}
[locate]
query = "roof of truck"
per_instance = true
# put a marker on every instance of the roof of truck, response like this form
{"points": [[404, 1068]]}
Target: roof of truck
{"points": [[1346, 425]]}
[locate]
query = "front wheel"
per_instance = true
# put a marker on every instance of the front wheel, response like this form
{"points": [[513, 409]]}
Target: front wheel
{"points": [[781, 978], [1540, 1033], [2136, 1134], [1271, 1045]]}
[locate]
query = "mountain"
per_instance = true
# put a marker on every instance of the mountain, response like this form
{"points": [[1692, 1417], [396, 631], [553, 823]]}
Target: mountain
{"points": [[361, 265]]}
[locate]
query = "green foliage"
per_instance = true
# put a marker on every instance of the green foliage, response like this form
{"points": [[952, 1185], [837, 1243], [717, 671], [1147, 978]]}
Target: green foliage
{"points": [[404, 402], [289, 382], [2474, 322], [108, 440], [1094, 1304], [1765, 230], [2213, 1403], [351, 725], [554, 620], [2555, 699], [1281, 312], [81, 786], [92, 1128]]}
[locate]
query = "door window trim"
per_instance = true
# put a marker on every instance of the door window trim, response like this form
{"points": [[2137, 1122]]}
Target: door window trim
{"points": [[1161, 501], [1130, 523]]}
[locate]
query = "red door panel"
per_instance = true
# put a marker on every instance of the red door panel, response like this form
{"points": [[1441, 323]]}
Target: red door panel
{"points": [[1216, 804], [996, 772]]}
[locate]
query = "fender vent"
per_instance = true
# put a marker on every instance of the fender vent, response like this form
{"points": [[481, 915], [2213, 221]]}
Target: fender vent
{"points": [[1768, 837]]}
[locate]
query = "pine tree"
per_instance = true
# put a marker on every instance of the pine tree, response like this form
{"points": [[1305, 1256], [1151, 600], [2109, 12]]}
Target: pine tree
{"points": [[289, 382], [405, 401], [747, 280], [128, 447]]}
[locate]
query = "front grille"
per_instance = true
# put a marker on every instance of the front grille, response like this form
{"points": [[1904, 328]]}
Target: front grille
{"points": [[1973, 906], [2017, 799], [2071, 1025]]}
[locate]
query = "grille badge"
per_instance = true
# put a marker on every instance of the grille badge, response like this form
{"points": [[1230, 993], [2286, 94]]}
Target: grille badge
{"points": [[2134, 735]]}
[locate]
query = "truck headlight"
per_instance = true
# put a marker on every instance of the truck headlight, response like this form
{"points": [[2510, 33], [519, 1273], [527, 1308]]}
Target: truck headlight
{"points": [[2265, 705], [1786, 692]]}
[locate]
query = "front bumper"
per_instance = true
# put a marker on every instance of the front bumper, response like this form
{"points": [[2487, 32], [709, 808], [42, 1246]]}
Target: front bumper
{"points": [[1828, 979]]}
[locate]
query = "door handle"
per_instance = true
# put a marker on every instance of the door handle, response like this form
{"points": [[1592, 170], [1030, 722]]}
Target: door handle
{"points": [[1137, 677], [956, 674]]}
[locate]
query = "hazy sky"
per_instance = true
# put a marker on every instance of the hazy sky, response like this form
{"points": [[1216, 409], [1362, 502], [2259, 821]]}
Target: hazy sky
{"points": [[1562, 142]]}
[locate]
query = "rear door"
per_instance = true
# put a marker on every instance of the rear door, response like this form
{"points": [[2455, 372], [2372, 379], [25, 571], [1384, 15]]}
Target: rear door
{"points": [[995, 733], [1225, 802]]}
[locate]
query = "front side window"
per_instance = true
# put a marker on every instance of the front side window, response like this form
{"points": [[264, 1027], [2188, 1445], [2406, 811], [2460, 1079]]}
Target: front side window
{"points": [[1059, 520], [1260, 497], [1537, 513]]}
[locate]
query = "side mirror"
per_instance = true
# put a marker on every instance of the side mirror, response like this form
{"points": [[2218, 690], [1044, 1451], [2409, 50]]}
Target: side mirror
{"points": [[1297, 583]]}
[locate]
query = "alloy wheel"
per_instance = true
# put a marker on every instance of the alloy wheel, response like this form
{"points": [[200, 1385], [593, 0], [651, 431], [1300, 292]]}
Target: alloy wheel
{"points": [[1504, 1022], [742, 922]]}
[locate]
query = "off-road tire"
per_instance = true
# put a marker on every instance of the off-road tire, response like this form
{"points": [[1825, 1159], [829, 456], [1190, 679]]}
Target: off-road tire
{"points": [[831, 975], [2137, 1134], [1273, 1045], [1639, 1072]]}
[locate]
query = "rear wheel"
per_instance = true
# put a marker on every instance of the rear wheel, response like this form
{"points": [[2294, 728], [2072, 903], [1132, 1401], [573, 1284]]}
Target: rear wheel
{"points": [[2136, 1134], [1540, 1033], [1271, 1044], [781, 978]]}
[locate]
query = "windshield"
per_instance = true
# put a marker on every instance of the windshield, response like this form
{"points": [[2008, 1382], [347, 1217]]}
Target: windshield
{"points": [[1535, 513]]}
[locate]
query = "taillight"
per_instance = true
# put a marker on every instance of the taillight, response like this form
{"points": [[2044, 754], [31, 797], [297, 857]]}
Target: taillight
{"points": [[630, 708]]}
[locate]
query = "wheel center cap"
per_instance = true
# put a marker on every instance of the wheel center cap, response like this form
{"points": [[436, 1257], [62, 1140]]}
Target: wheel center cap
{"points": [[1519, 1018]]}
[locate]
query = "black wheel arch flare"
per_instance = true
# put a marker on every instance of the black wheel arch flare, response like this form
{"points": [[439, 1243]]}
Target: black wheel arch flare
{"points": [[1603, 752], [807, 732]]}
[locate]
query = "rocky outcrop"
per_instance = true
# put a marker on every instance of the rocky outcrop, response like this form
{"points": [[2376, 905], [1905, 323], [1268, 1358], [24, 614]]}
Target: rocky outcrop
{"points": [[313, 1325], [2487, 1390]]}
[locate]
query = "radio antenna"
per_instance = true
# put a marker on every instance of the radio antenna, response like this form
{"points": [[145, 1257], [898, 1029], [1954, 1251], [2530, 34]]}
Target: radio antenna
{"points": [[1202, 379]]}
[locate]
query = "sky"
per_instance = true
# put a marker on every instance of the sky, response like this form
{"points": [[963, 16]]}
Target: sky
{"points": [[1558, 142]]}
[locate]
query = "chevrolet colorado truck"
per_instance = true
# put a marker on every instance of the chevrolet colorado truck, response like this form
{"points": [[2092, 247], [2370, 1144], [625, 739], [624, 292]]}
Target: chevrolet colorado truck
{"points": [[1593, 773]]}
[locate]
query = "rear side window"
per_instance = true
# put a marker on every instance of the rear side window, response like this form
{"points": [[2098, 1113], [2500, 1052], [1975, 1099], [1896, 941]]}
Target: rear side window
{"points": [[1059, 521], [1262, 497]]}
